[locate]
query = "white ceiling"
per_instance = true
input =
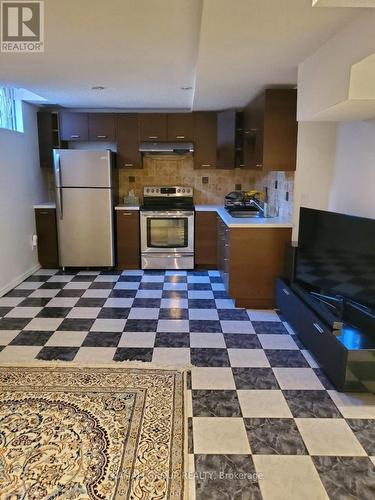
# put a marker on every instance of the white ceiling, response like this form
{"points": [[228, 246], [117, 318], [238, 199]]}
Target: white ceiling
{"points": [[144, 51]]}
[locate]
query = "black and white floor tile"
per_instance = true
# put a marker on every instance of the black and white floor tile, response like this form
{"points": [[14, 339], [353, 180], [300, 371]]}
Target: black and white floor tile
{"points": [[264, 420]]}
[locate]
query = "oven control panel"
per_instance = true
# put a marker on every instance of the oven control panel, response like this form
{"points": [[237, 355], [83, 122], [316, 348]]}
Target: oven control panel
{"points": [[167, 191]]}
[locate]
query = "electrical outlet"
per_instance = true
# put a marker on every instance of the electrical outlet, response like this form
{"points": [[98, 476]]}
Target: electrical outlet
{"points": [[204, 180], [131, 178], [238, 187], [34, 241], [275, 184], [287, 196]]}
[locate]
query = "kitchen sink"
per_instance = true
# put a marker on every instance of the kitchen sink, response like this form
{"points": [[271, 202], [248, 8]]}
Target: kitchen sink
{"points": [[245, 214]]}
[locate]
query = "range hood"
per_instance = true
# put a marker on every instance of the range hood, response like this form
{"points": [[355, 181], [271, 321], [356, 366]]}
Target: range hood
{"points": [[165, 148]]}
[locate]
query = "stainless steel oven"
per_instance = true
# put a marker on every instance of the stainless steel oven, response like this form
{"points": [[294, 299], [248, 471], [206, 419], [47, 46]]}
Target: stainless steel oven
{"points": [[167, 228]]}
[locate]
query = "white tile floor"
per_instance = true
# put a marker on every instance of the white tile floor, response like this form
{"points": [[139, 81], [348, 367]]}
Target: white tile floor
{"points": [[258, 402]]}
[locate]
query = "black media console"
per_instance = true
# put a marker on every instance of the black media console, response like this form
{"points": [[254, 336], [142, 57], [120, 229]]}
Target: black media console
{"points": [[347, 356]]}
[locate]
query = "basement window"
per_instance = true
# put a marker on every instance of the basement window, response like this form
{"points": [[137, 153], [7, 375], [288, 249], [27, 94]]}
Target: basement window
{"points": [[10, 110]]}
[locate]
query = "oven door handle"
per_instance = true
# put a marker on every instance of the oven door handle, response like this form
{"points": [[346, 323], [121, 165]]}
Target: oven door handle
{"points": [[171, 215]]}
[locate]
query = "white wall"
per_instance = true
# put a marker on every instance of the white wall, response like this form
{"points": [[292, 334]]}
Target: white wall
{"points": [[21, 185], [316, 150], [353, 183], [324, 78]]}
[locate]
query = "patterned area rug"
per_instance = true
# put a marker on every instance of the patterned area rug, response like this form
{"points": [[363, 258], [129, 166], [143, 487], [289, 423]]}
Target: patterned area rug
{"points": [[98, 433]]}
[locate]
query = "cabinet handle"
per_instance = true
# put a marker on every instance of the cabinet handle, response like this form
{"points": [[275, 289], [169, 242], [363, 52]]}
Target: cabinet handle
{"points": [[127, 214], [75, 136], [180, 137], [43, 213], [101, 136], [286, 291], [254, 129], [152, 136], [259, 165], [129, 165], [205, 165], [226, 244], [318, 327]]}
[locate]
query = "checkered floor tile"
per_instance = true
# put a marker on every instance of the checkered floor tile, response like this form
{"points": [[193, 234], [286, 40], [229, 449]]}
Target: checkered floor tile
{"points": [[262, 414]]}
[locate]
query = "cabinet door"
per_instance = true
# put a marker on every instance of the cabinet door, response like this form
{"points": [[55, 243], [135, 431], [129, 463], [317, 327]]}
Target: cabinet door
{"points": [[256, 260], [205, 239], [128, 248], [253, 124], [280, 130], [153, 126], [73, 126], [226, 139], [180, 127], [205, 135], [45, 137], [128, 155], [102, 127], [46, 230]]}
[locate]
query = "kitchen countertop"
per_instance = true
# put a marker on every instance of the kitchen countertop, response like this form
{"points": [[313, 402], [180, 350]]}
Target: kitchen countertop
{"points": [[49, 204], [243, 222], [126, 207], [235, 222]]}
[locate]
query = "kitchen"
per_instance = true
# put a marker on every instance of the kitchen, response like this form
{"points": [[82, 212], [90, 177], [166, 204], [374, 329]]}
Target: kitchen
{"points": [[186, 261], [187, 147]]}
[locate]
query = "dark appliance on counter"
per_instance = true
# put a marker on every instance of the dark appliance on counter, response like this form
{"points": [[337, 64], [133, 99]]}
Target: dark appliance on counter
{"points": [[167, 228], [238, 204]]}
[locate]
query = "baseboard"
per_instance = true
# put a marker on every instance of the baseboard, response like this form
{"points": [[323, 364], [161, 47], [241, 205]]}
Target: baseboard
{"points": [[19, 280]]}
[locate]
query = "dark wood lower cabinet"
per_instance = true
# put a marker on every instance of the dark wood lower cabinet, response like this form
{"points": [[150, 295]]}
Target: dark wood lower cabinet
{"points": [[250, 260], [205, 240], [128, 244], [46, 230]]}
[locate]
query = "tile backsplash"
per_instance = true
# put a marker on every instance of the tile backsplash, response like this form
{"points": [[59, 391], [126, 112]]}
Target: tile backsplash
{"points": [[210, 186]]}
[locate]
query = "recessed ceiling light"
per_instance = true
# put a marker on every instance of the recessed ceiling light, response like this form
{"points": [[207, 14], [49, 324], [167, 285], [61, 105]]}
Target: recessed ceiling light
{"points": [[186, 87], [97, 87]]}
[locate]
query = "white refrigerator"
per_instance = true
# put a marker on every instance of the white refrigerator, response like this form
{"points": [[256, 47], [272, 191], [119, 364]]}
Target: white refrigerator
{"points": [[84, 206]]}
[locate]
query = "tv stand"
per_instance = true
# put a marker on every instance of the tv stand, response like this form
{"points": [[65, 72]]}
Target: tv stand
{"points": [[346, 355]]}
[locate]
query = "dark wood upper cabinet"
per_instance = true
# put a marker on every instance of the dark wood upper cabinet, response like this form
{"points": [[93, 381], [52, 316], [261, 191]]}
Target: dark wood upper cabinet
{"points": [[270, 131], [102, 127], [74, 126], [128, 155], [180, 127], [229, 139], [153, 127], [280, 130], [205, 139], [48, 137]]}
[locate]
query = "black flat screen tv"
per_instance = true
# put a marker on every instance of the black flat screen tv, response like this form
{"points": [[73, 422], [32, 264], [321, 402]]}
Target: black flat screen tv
{"points": [[336, 256]]}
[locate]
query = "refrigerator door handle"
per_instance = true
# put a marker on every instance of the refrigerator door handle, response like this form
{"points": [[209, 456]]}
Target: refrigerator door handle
{"points": [[59, 192], [60, 202]]}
